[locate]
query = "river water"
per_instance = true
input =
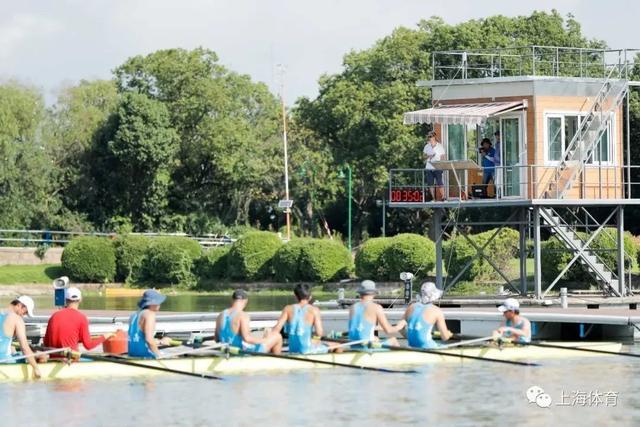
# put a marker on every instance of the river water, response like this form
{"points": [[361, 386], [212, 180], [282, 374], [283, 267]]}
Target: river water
{"points": [[470, 394]]}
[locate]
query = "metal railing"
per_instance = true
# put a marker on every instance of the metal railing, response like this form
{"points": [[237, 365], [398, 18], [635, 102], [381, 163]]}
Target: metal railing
{"points": [[13, 237], [531, 61], [598, 181]]}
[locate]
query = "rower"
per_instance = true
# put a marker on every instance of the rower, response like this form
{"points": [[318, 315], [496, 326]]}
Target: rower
{"points": [[514, 326], [422, 315], [300, 320], [68, 327], [233, 327], [365, 315], [142, 327], [12, 325]]}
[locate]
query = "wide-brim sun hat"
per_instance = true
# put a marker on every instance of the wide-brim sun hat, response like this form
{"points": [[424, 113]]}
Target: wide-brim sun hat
{"points": [[367, 287], [151, 297], [429, 293], [510, 304]]}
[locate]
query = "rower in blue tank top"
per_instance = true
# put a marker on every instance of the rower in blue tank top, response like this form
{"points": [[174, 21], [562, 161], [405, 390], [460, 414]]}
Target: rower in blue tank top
{"points": [[142, 327], [365, 315], [12, 325], [233, 327], [300, 321], [514, 327], [423, 315]]}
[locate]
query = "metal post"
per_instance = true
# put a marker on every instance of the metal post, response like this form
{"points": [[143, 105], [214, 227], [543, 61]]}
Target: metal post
{"points": [[349, 203], [437, 229], [620, 226], [523, 251], [287, 209], [537, 260], [628, 149], [384, 217]]}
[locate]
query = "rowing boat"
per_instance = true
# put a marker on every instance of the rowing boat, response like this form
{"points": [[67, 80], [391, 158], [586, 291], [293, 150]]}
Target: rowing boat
{"points": [[232, 365]]}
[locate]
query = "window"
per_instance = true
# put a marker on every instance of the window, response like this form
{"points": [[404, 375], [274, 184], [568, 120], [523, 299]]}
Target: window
{"points": [[455, 142], [561, 129]]}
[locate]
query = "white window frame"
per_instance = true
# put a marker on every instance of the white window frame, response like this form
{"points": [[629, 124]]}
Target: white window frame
{"points": [[580, 114]]}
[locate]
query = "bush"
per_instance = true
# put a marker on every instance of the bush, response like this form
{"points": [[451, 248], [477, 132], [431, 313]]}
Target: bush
{"points": [[251, 255], [555, 257], [370, 259], [169, 260], [130, 250], [89, 259], [213, 263], [409, 252], [286, 261], [323, 260], [458, 251]]}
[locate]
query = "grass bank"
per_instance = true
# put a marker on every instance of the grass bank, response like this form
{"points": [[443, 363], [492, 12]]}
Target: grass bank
{"points": [[29, 274]]}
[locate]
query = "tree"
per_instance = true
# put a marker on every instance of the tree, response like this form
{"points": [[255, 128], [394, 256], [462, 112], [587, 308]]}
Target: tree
{"points": [[133, 157], [26, 197], [229, 153]]}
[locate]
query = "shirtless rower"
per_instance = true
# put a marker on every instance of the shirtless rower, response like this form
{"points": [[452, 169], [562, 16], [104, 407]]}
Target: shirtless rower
{"points": [[233, 327], [365, 315], [423, 315], [514, 326], [12, 325]]}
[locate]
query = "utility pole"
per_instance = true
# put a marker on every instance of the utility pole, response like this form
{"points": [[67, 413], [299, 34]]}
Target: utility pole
{"points": [[287, 209]]}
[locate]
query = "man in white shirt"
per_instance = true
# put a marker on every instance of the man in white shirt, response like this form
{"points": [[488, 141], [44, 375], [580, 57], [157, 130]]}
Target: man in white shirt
{"points": [[434, 151]]}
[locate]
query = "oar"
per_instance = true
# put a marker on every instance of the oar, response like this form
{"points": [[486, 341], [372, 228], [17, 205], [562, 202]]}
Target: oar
{"points": [[155, 368], [327, 362], [39, 353], [589, 350], [467, 342], [461, 356]]}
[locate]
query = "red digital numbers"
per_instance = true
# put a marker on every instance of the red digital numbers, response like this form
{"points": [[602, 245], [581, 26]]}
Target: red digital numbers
{"points": [[407, 195]]}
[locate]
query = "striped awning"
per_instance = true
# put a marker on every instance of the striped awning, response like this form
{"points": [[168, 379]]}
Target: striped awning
{"points": [[467, 114]]}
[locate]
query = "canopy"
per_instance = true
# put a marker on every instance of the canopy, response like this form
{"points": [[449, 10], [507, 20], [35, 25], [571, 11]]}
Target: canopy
{"points": [[461, 114]]}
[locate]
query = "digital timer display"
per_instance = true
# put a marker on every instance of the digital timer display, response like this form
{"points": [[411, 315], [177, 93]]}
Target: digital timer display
{"points": [[407, 195]]}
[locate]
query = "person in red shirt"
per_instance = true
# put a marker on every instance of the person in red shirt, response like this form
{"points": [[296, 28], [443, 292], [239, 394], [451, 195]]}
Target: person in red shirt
{"points": [[68, 327]]}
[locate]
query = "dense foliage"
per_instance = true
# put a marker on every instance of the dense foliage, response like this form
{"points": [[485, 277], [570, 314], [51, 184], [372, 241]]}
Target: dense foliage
{"points": [[212, 264], [370, 259], [130, 252], [90, 259], [169, 260], [250, 257]]}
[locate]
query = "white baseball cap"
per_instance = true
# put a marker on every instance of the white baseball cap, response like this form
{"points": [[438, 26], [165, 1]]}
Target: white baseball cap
{"points": [[72, 294], [27, 302], [510, 304]]}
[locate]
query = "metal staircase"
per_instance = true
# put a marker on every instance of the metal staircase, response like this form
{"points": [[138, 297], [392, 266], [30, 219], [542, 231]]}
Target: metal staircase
{"points": [[587, 257], [591, 128]]}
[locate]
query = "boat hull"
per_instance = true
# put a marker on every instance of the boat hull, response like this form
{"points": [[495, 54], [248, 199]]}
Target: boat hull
{"points": [[234, 365]]}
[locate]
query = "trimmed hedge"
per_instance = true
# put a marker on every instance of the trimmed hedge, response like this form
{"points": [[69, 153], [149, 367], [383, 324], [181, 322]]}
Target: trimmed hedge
{"points": [[286, 261], [169, 260], [555, 257], [370, 259], [130, 251], [250, 256], [409, 252], [213, 263], [89, 259], [323, 260]]}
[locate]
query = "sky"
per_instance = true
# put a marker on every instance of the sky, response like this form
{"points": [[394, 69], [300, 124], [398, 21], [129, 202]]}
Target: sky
{"points": [[52, 44]]}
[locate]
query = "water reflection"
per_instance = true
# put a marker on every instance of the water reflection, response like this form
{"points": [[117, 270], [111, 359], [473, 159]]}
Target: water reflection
{"points": [[470, 393]]}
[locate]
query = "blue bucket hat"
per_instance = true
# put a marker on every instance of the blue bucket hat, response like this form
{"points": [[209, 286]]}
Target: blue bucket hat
{"points": [[151, 297]]}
